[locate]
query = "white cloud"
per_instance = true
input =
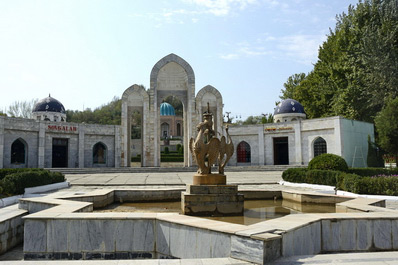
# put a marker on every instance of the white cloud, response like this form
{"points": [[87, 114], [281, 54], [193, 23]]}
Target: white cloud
{"points": [[231, 56], [245, 49], [221, 7], [304, 48], [300, 48]]}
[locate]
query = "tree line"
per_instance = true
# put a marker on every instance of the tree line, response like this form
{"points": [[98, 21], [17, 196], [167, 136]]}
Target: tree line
{"points": [[355, 75]]}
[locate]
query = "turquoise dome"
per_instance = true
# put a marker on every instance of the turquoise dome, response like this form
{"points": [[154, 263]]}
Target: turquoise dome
{"points": [[166, 109]]}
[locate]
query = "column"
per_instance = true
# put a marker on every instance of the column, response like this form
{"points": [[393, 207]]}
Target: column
{"points": [[117, 147], [339, 148], [1, 142], [261, 157], [42, 145], [81, 146], [297, 143]]}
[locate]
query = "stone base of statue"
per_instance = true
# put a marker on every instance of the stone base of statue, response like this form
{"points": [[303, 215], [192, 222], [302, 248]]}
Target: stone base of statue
{"points": [[209, 179], [211, 200]]}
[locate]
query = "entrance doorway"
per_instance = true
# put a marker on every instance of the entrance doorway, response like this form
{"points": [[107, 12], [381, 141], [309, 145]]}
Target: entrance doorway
{"points": [[60, 152], [281, 151]]}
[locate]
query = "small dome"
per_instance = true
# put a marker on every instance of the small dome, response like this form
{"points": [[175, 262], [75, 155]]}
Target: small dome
{"points": [[166, 109], [289, 106], [49, 104]]}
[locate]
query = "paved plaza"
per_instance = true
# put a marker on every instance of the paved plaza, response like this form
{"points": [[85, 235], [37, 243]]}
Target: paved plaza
{"points": [[169, 178]]}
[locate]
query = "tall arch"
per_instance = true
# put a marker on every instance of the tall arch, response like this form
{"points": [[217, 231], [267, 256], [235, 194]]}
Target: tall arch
{"points": [[19, 152], [243, 152], [135, 98], [172, 75], [211, 95], [319, 146], [100, 154]]}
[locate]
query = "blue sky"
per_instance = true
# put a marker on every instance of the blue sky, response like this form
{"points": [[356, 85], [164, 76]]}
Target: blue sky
{"points": [[86, 52]]}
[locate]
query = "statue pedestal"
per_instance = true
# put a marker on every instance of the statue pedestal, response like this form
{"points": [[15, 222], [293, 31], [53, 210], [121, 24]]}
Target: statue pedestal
{"points": [[211, 200], [209, 179]]}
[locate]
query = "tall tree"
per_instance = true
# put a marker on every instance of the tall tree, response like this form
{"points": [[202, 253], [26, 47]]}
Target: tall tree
{"points": [[22, 109], [357, 64], [106, 114], [291, 84], [387, 127]]}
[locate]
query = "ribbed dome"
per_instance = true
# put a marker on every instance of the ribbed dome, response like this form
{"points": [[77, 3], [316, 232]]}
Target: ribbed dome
{"points": [[289, 106], [166, 109], [49, 104]]}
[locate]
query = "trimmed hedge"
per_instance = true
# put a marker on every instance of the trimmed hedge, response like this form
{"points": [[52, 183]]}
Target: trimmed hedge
{"points": [[321, 177], [328, 162], [136, 158], [15, 183], [373, 171], [370, 185], [171, 159], [7, 171], [346, 181]]}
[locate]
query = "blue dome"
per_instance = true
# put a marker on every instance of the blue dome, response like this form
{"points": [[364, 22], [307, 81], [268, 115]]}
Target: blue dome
{"points": [[166, 109], [49, 104], [289, 106]]}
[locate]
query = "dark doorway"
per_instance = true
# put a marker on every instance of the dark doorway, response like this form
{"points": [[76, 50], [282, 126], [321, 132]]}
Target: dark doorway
{"points": [[281, 151], [60, 152], [243, 153], [18, 152]]}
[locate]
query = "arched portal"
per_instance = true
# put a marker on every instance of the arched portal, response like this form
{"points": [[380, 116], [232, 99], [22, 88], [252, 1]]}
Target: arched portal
{"points": [[170, 76], [210, 97], [19, 152], [173, 76], [243, 152], [135, 136], [99, 154]]}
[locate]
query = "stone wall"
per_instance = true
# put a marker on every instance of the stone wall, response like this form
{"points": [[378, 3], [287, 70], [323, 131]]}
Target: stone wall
{"points": [[38, 139], [11, 227]]}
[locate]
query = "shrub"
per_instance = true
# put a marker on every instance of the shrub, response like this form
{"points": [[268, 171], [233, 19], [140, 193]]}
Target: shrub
{"points": [[373, 171], [376, 185], [166, 150], [7, 171], [295, 175], [328, 162], [16, 183], [136, 158], [321, 177]]}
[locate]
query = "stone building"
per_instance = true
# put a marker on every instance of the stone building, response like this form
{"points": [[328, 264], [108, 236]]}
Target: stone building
{"points": [[293, 140], [48, 140]]}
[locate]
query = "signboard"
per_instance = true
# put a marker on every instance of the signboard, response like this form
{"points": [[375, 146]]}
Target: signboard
{"points": [[62, 128], [278, 129]]}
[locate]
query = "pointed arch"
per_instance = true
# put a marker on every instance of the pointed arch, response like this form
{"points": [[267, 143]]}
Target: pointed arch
{"points": [[100, 153], [243, 152], [168, 59], [211, 95], [19, 152], [319, 146], [134, 99]]}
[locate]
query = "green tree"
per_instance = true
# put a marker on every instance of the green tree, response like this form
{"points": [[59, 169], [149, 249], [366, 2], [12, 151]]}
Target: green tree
{"points": [[176, 103], [387, 127], [267, 118], [291, 85], [106, 114], [374, 158], [357, 65]]}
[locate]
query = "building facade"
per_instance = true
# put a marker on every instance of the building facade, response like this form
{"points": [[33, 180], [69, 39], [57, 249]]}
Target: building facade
{"points": [[48, 140]]}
